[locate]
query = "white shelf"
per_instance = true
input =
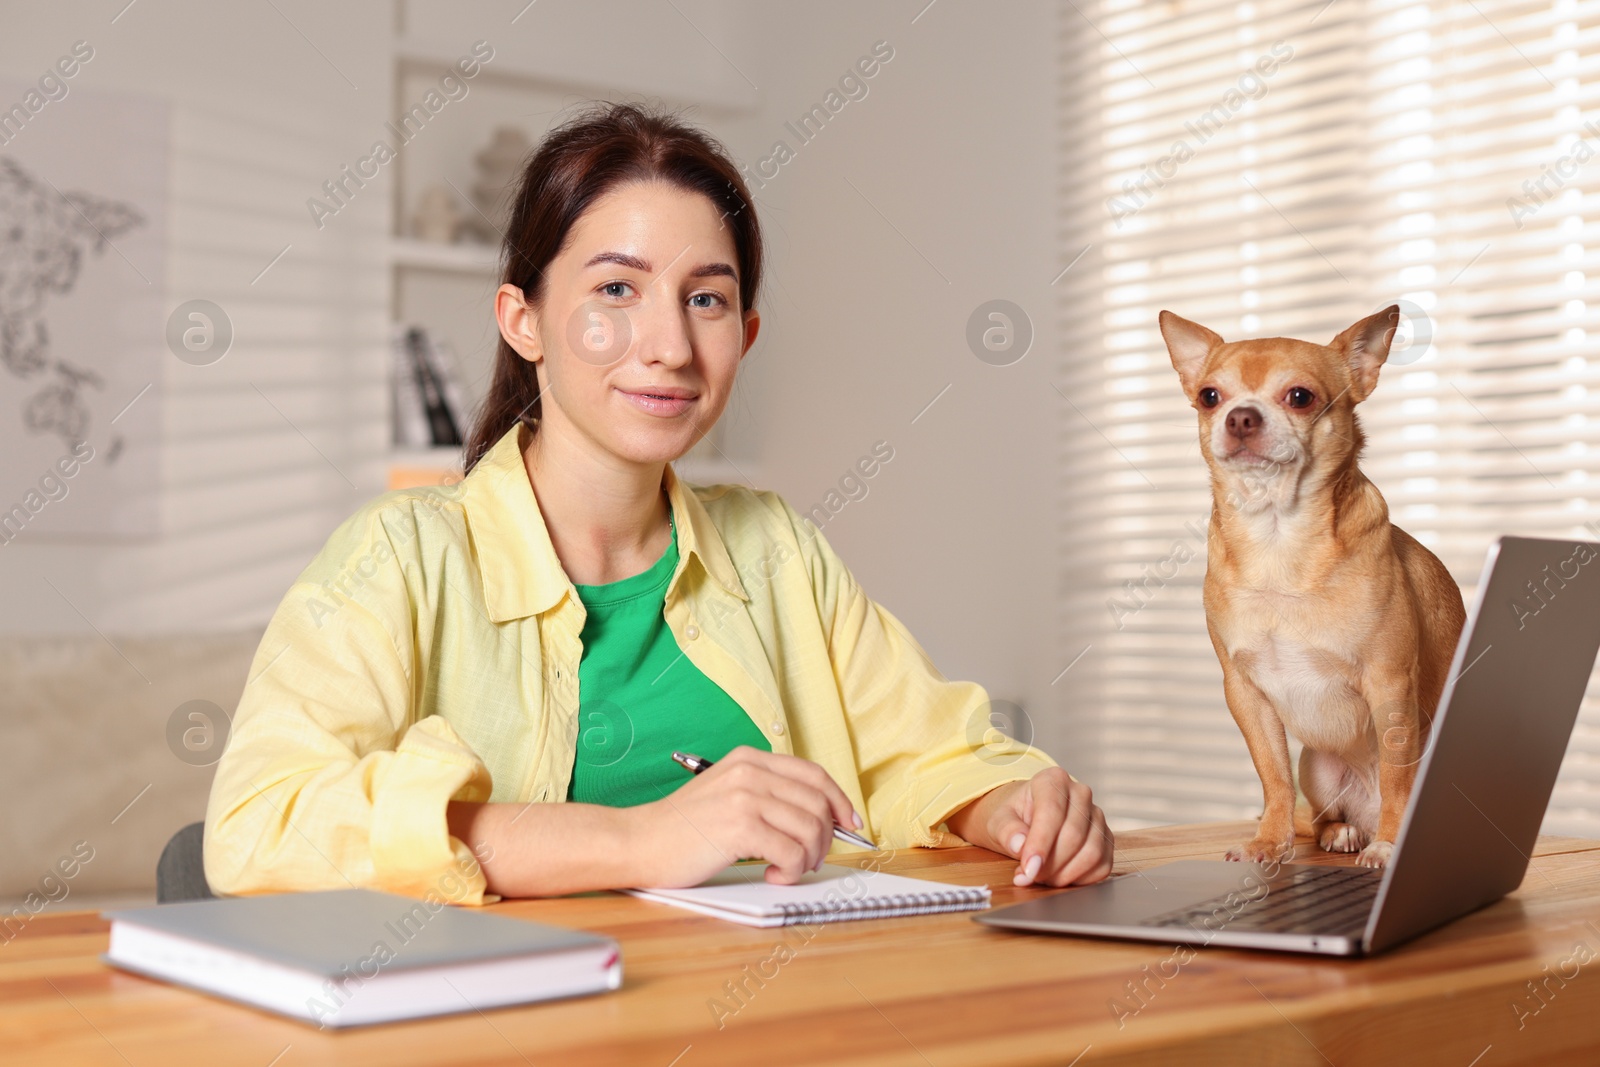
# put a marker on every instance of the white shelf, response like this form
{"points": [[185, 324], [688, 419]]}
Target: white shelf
{"points": [[464, 257], [424, 456], [737, 97]]}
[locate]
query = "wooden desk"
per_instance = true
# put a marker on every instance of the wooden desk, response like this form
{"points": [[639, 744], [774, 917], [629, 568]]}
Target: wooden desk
{"points": [[931, 990]]}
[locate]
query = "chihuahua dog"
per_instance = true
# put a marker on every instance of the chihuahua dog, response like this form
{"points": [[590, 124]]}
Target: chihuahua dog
{"points": [[1331, 623]]}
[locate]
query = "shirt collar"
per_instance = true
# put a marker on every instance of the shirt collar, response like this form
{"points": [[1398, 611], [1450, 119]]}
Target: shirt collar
{"points": [[522, 575]]}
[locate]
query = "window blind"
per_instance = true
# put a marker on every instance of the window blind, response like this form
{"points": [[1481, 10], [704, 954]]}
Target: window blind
{"points": [[1285, 169]]}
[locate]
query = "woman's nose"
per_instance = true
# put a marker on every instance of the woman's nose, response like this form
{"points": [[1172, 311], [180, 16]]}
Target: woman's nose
{"points": [[662, 334]]}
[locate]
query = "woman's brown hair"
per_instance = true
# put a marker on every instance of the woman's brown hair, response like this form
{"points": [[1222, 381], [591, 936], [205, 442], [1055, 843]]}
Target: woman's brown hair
{"points": [[578, 162]]}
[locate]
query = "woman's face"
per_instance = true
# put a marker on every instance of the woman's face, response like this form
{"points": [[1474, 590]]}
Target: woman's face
{"points": [[644, 299]]}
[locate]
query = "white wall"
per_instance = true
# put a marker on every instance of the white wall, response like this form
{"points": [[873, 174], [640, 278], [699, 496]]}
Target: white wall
{"points": [[950, 156]]}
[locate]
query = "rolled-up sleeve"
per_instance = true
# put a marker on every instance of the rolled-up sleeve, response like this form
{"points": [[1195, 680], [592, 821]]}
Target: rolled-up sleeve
{"points": [[925, 746], [329, 779]]}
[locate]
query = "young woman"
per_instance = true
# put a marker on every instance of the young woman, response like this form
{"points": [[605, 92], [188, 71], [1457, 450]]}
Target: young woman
{"points": [[474, 691]]}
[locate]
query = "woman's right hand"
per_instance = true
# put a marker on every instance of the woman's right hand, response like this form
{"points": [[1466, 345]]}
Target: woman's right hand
{"points": [[750, 803]]}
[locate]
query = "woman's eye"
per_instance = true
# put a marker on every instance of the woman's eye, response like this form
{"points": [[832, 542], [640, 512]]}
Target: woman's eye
{"points": [[609, 286], [1300, 397], [715, 298], [1209, 397]]}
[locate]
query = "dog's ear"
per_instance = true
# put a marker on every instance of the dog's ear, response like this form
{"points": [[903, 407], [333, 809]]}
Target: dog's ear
{"points": [[1188, 343], [1365, 346]]}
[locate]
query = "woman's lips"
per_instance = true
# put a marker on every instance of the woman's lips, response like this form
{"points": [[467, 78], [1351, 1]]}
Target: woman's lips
{"points": [[659, 405]]}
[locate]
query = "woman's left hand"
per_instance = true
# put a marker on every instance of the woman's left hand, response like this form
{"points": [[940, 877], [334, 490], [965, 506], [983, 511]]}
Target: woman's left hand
{"points": [[1050, 823]]}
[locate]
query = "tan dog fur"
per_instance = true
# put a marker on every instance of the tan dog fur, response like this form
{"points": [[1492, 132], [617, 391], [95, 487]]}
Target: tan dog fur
{"points": [[1331, 623]]}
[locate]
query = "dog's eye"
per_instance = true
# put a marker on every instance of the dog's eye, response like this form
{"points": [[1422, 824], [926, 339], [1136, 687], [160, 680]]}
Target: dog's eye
{"points": [[1209, 397], [1300, 397]]}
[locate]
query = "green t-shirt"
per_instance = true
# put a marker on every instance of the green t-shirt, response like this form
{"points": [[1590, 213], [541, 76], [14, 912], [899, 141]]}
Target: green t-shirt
{"points": [[640, 698]]}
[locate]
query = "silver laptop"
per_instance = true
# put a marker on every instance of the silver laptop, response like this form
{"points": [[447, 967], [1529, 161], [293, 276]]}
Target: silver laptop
{"points": [[1503, 723]]}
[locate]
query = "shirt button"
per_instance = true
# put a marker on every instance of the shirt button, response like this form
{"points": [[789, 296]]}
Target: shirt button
{"points": [[777, 728], [691, 631]]}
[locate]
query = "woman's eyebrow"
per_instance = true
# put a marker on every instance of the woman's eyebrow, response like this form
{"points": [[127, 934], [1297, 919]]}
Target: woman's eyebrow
{"points": [[625, 259]]}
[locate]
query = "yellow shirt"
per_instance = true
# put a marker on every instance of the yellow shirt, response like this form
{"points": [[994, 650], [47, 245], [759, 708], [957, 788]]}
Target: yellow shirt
{"points": [[430, 653]]}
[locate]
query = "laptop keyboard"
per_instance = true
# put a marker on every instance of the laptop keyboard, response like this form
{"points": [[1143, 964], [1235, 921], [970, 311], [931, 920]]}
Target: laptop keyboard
{"points": [[1331, 900]]}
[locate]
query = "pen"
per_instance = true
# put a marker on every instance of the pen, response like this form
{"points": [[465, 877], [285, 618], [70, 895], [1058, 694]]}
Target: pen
{"points": [[698, 763]]}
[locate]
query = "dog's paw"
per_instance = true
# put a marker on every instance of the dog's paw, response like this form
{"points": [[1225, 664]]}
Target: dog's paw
{"points": [[1257, 850], [1341, 837], [1376, 854]]}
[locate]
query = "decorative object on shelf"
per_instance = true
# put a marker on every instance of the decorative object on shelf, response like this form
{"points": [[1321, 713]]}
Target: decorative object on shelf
{"points": [[499, 166], [427, 392], [437, 217]]}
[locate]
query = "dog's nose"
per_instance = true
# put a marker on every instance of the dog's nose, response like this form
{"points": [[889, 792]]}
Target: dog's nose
{"points": [[1243, 422]]}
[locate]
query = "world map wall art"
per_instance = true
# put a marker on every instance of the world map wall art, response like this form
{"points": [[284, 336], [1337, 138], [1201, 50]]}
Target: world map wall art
{"points": [[82, 286]]}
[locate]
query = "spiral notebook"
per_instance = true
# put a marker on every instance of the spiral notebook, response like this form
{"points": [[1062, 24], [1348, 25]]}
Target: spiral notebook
{"points": [[831, 893]]}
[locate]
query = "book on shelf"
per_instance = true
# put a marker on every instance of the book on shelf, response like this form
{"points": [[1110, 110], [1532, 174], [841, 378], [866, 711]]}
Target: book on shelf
{"points": [[428, 410]]}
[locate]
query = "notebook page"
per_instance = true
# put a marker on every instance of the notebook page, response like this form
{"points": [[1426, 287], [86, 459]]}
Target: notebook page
{"points": [[744, 890]]}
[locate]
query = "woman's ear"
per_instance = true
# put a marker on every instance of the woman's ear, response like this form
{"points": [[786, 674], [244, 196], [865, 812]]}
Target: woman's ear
{"points": [[752, 326], [519, 322]]}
